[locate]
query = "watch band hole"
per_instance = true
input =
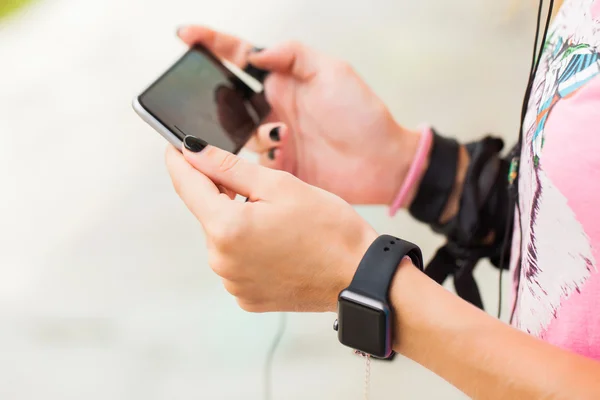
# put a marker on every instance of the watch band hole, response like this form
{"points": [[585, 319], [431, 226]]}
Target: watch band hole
{"points": [[397, 238], [392, 242], [386, 249]]}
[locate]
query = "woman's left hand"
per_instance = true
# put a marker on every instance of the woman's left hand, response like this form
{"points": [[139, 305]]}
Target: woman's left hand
{"points": [[291, 247]]}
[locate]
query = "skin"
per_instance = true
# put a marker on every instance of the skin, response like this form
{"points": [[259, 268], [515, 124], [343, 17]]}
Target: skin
{"points": [[310, 94], [317, 142], [269, 266]]}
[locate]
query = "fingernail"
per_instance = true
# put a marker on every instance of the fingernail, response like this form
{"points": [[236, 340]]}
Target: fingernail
{"points": [[271, 154], [274, 134], [180, 29], [194, 144]]}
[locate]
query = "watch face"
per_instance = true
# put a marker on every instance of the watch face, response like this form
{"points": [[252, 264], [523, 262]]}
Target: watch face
{"points": [[363, 327]]}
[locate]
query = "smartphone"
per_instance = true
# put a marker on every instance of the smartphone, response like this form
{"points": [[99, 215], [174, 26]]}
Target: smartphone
{"points": [[206, 97]]}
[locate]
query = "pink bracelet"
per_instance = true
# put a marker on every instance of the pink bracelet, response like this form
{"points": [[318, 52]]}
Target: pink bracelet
{"points": [[414, 170]]}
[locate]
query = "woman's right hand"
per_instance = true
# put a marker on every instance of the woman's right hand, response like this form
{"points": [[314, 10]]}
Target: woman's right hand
{"points": [[334, 132]]}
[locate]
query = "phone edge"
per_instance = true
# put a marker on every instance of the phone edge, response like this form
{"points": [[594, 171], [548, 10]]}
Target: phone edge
{"points": [[156, 124]]}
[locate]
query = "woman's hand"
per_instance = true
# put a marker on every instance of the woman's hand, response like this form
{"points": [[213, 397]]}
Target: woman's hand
{"points": [[291, 247], [334, 132], [295, 247]]}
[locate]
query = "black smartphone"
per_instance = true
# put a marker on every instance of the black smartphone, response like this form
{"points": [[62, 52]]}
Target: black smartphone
{"points": [[206, 97]]}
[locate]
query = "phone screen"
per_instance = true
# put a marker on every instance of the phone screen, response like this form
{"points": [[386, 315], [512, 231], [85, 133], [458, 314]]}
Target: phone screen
{"points": [[202, 97]]}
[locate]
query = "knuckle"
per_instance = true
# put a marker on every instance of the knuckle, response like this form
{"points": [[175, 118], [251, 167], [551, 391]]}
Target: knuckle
{"points": [[294, 44], [249, 306], [279, 179], [216, 263], [228, 162], [222, 267], [342, 67], [232, 288], [226, 234], [274, 85], [220, 236]]}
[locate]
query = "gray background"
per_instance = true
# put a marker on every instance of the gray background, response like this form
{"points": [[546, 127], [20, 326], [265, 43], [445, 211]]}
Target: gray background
{"points": [[104, 288]]}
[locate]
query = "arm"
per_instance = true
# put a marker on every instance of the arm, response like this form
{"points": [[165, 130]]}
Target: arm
{"points": [[269, 267], [478, 354]]}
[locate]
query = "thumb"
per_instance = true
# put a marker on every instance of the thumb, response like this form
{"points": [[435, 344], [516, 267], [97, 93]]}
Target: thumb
{"points": [[288, 58], [225, 168]]}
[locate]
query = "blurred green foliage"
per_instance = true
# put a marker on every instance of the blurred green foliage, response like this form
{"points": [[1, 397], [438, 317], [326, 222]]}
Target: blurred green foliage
{"points": [[8, 6]]}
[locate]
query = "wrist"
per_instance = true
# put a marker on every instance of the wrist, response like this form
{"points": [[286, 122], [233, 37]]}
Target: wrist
{"points": [[350, 256], [366, 315], [403, 151], [406, 293]]}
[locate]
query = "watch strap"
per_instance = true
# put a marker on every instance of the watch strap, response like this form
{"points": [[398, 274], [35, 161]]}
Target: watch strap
{"points": [[376, 270]]}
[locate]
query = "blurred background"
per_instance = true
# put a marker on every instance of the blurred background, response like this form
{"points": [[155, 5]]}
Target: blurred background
{"points": [[105, 292]]}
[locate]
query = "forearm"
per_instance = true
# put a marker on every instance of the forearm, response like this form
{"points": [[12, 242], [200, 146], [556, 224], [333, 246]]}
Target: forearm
{"points": [[478, 354]]}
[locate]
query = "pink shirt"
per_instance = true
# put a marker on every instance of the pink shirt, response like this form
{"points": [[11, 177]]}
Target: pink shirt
{"points": [[556, 246]]}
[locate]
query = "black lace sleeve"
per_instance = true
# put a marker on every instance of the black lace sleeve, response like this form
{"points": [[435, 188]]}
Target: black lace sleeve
{"points": [[483, 223]]}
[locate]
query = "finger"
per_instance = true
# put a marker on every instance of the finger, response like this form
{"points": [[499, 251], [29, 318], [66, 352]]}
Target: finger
{"points": [[288, 58], [277, 136], [226, 169], [276, 147], [221, 44], [198, 192], [227, 192], [253, 143], [273, 134], [268, 135], [272, 158], [281, 92]]}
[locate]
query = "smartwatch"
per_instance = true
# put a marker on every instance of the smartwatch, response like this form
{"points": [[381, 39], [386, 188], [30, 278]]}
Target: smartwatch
{"points": [[365, 320]]}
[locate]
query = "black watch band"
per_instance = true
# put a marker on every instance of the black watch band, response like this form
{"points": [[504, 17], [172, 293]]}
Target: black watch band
{"points": [[376, 270], [365, 318]]}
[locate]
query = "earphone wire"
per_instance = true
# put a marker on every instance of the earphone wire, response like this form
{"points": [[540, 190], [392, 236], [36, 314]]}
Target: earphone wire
{"points": [[535, 63], [268, 369]]}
